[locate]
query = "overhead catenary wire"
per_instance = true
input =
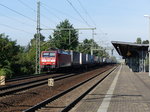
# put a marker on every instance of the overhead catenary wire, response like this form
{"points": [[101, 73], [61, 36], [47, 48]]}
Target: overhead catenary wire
{"points": [[10, 27], [78, 13], [61, 12], [33, 10], [18, 13], [46, 9], [26, 5], [13, 28], [86, 12], [47, 19], [17, 20], [89, 15]]}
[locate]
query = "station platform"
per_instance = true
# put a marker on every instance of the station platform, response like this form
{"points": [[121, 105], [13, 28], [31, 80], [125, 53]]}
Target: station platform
{"points": [[122, 91]]}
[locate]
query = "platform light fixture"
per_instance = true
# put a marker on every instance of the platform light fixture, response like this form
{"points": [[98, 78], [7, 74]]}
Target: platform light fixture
{"points": [[148, 16]]}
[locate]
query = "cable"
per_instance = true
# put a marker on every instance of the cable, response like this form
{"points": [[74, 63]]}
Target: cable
{"points": [[32, 10], [21, 14], [86, 12], [10, 27], [18, 13], [11, 18], [78, 13], [89, 15], [27, 5], [47, 19], [46, 9], [64, 13]]}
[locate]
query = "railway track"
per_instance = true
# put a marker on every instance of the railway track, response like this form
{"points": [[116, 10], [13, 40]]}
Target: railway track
{"points": [[50, 103], [25, 77], [19, 101], [8, 90], [18, 80], [24, 83]]}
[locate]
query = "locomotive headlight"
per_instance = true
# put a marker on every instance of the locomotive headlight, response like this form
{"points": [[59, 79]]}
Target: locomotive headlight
{"points": [[52, 60], [43, 60]]}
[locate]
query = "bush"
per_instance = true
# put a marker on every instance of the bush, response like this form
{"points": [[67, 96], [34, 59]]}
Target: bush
{"points": [[5, 72]]}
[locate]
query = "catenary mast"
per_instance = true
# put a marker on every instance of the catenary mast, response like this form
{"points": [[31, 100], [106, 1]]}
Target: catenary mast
{"points": [[38, 69]]}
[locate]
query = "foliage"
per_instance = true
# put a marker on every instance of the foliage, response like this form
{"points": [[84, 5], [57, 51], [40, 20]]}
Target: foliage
{"points": [[138, 40], [17, 60], [145, 42], [65, 39], [27, 56], [86, 45], [8, 55], [26, 62], [5, 72]]}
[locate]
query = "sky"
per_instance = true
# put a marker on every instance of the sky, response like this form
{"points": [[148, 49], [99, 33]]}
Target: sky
{"points": [[114, 20]]}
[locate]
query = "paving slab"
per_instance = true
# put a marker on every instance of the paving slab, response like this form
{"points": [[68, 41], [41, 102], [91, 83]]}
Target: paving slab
{"points": [[122, 91]]}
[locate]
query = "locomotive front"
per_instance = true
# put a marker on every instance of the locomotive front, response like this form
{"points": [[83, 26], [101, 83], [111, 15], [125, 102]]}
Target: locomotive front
{"points": [[48, 59]]}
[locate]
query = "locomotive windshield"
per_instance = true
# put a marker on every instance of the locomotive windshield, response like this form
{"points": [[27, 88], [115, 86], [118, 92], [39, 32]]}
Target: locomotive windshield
{"points": [[47, 54]]}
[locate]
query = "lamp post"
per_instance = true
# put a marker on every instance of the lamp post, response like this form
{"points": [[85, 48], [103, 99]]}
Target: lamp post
{"points": [[148, 16]]}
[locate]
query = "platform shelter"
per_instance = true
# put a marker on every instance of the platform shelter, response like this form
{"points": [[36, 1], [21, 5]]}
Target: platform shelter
{"points": [[135, 55]]}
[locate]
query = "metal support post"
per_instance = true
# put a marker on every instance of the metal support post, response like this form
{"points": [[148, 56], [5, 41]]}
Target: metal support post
{"points": [[92, 46], [69, 37], [149, 46], [148, 16], [38, 68]]}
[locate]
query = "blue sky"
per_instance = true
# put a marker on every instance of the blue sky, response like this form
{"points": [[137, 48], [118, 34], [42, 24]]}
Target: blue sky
{"points": [[115, 20]]}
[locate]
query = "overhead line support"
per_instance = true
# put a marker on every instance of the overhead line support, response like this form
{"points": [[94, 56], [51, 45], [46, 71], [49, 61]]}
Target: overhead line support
{"points": [[38, 68], [69, 29]]}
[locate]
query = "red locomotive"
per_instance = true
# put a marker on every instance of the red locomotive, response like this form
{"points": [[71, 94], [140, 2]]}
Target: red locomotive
{"points": [[55, 59]]}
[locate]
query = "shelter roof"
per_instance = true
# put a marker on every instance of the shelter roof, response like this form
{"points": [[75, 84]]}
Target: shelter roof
{"points": [[127, 49]]}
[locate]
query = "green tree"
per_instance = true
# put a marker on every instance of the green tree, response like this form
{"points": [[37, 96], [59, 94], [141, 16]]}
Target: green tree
{"points": [[86, 45], [65, 39], [145, 42], [138, 40], [26, 62], [8, 55], [29, 56]]}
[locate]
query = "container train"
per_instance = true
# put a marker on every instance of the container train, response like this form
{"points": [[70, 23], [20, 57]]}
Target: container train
{"points": [[61, 58]]}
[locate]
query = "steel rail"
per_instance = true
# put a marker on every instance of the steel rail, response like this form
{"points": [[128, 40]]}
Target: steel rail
{"points": [[56, 78], [45, 102], [25, 77], [25, 83], [71, 105]]}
